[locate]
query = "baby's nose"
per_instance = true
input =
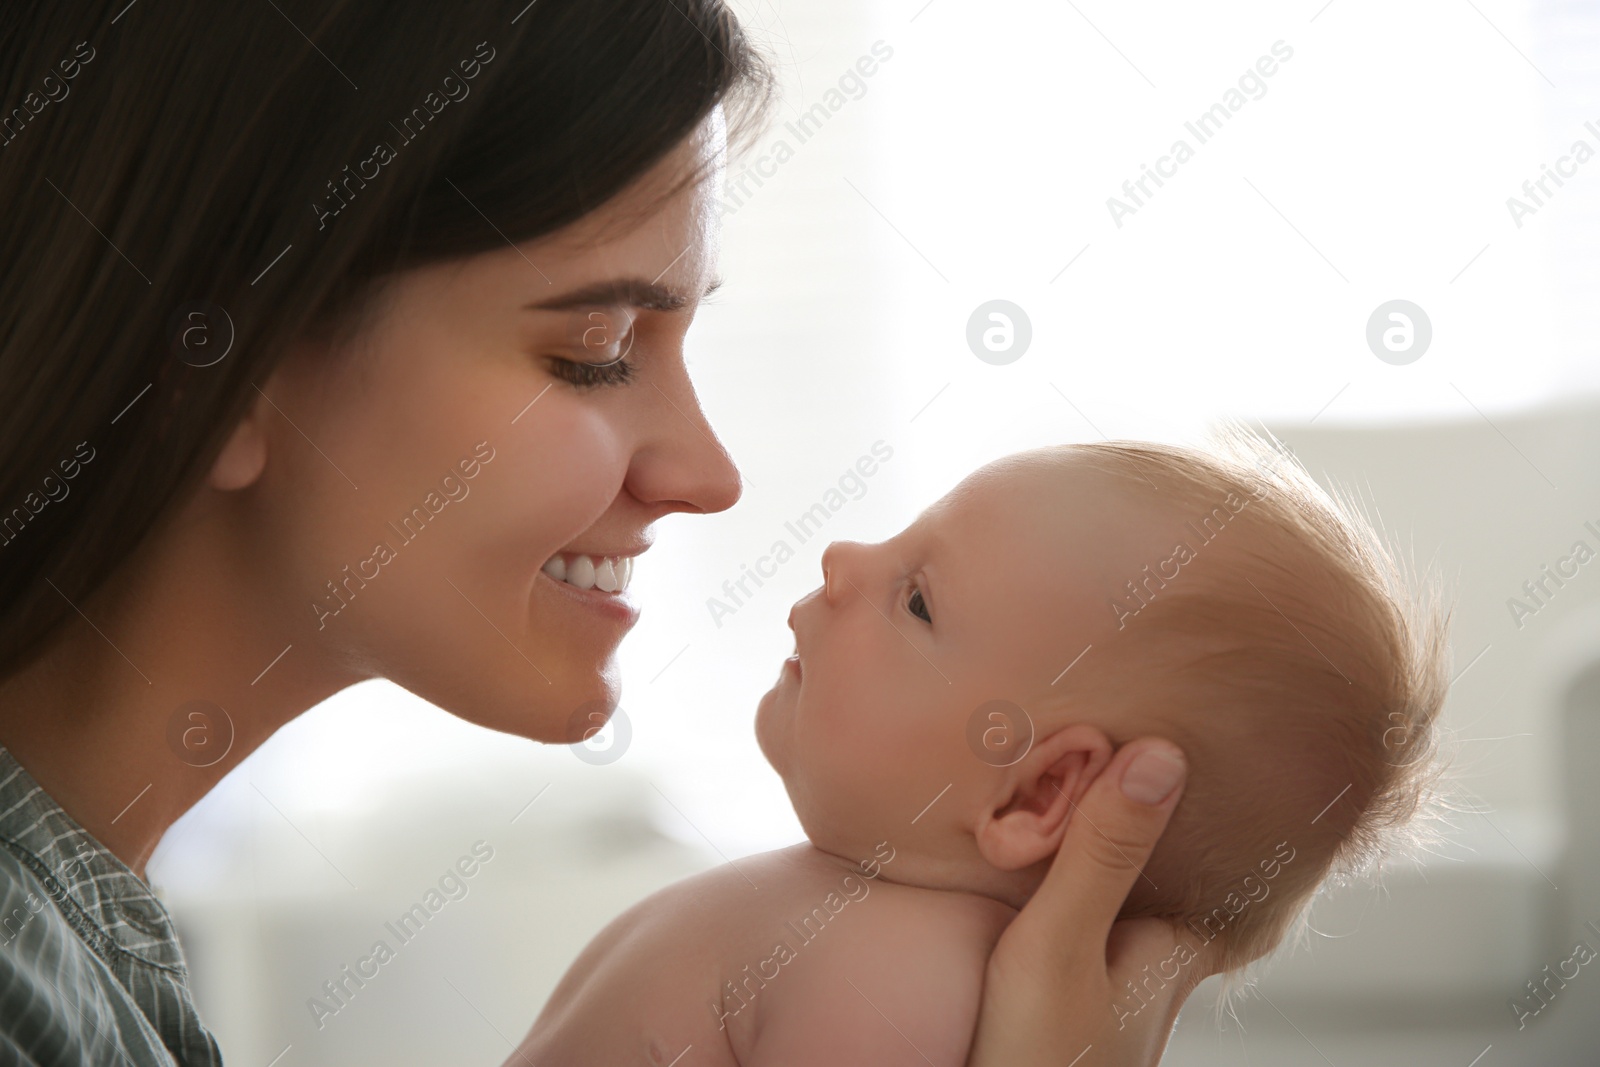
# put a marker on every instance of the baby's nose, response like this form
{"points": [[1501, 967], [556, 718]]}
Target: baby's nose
{"points": [[835, 563]]}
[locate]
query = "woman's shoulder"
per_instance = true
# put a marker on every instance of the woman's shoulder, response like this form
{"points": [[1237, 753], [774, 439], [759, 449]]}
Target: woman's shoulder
{"points": [[28, 921], [51, 981]]}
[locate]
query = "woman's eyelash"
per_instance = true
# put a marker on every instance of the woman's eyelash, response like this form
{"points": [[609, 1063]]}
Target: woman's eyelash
{"points": [[585, 375], [914, 602]]}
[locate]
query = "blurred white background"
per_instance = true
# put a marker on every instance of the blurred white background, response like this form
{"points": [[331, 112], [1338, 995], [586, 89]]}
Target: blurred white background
{"points": [[975, 164]]}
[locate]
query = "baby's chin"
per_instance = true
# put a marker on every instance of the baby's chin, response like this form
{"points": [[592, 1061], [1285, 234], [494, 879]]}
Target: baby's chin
{"points": [[764, 736], [825, 832]]}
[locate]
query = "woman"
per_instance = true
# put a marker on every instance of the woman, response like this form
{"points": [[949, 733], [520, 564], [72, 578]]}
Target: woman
{"points": [[326, 328]]}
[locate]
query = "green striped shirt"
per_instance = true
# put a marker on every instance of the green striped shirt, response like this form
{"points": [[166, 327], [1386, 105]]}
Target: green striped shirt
{"points": [[90, 968]]}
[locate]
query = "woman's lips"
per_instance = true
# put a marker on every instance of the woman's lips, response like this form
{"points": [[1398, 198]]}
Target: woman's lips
{"points": [[614, 607]]}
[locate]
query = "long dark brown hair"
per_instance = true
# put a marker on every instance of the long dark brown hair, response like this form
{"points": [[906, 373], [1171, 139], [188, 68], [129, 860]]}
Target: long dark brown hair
{"points": [[181, 178]]}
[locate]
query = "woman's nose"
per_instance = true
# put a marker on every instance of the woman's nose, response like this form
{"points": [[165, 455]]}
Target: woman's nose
{"points": [[687, 467]]}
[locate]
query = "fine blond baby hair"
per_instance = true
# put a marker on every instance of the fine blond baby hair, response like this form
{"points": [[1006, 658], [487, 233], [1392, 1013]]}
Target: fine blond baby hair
{"points": [[1302, 670]]}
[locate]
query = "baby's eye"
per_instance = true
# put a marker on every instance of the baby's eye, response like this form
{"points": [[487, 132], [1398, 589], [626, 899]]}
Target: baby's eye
{"points": [[918, 607]]}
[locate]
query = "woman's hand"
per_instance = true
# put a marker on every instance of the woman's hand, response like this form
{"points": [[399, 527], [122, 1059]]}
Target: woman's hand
{"points": [[1061, 967]]}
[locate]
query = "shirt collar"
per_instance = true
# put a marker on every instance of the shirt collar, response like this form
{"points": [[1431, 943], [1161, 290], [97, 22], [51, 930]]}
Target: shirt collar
{"points": [[81, 873]]}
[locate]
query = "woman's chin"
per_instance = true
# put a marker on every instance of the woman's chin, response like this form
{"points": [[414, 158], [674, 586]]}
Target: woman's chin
{"points": [[545, 717]]}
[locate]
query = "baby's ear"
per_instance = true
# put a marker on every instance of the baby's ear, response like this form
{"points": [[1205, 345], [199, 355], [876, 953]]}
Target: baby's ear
{"points": [[1039, 795]]}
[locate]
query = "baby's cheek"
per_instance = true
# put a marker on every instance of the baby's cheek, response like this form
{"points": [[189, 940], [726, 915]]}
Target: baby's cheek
{"points": [[841, 742], [895, 750]]}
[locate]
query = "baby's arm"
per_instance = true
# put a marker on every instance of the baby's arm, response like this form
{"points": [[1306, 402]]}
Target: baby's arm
{"points": [[900, 987]]}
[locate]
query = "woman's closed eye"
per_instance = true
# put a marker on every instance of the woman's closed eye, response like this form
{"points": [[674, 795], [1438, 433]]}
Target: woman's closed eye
{"points": [[605, 336], [586, 375], [918, 606]]}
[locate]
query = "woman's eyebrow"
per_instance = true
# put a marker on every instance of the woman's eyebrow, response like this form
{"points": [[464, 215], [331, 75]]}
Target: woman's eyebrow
{"points": [[629, 292]]}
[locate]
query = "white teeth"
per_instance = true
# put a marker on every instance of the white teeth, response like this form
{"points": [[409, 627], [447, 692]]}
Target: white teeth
{"points": [[605, 573], [580, 574]]}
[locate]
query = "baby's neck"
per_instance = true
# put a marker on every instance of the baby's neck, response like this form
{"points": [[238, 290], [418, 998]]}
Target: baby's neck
{"points": [[951, 875]]}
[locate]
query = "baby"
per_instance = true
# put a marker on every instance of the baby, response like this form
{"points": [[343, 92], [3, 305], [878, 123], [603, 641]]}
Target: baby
{"points": [[955, 691]]}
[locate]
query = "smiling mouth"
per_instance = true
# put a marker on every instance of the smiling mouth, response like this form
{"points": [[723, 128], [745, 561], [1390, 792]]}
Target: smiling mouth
{"points": [[605, 574]]}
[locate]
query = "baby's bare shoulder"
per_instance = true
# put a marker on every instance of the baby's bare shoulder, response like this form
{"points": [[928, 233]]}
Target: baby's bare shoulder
{"points": [[937, 919], [899, 984], [731, 912]]}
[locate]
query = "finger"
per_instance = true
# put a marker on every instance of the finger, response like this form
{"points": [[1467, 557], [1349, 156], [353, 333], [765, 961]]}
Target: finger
{"points": [[1140, 946], [1136, 942], [1109, 838]]}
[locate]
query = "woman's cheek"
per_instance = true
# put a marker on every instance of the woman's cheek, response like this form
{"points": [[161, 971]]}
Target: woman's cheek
{"points": [[564, 467]]}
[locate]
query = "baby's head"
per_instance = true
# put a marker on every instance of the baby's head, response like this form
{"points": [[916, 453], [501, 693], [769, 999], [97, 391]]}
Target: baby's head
{"points": [[961, 684]]}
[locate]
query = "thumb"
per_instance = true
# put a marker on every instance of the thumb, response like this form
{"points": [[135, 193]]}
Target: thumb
{"points": [[1110, 838]]}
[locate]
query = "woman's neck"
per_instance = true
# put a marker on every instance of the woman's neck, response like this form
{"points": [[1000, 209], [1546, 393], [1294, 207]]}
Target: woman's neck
{"points": [[156, 687]]}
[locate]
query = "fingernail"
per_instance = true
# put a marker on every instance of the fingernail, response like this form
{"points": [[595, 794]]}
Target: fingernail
{"points": [[1153, 776]]}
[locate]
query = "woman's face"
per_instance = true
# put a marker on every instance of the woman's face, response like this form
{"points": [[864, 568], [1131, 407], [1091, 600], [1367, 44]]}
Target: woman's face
{"points": [[420, 478]]}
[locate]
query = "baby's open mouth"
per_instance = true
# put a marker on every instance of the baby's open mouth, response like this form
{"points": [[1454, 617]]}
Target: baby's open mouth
{"points": [[608, 574]]}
